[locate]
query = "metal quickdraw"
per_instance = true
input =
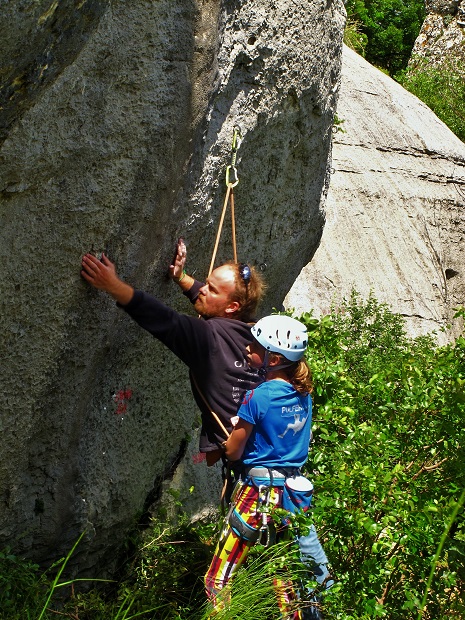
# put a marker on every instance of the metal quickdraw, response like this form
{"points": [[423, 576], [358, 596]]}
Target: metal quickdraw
{"points": [[232, 178], [264, 506]]}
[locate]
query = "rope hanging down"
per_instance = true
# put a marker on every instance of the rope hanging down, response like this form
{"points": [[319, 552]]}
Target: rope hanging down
{"points": [[232, 179]]}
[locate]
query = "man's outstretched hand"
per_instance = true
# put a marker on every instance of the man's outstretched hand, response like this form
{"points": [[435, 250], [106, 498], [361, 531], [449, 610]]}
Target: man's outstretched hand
{"points": [[101, 274], [177, 268]]}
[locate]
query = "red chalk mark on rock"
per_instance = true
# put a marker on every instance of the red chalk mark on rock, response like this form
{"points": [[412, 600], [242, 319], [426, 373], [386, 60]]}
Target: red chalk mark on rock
{"points": [[199, 457], [121, 398]]}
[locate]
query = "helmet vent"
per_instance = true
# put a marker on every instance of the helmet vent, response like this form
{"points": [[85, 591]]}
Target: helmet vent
{"points": [[283, 335]]}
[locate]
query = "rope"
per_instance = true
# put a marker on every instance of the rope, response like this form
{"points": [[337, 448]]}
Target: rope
{"points": [[233, 227], [225, 470], [215, 415], [220, 226], [232, 179]]}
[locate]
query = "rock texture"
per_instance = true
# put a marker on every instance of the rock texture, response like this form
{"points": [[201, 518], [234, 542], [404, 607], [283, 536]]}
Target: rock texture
{"points": [[116, 121], [395, 217], [442, 36]]}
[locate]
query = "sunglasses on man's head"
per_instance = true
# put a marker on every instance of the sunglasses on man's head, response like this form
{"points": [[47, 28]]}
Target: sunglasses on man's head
{"points": [[245, 273]]}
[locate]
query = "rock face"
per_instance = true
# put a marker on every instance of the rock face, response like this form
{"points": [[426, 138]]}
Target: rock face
{"points": [[442, 36], [395, 217], [116, 126]]}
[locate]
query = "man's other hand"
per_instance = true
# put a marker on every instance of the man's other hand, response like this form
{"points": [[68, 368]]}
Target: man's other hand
{"points": [[101, 274]]}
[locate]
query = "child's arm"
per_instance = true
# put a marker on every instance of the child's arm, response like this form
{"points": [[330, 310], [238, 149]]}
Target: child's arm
{"points": [[236, 442]]}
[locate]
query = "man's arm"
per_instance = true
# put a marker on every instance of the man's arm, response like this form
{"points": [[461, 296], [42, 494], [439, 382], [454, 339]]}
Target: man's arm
{"points": [[188, 337], [101, 274]]}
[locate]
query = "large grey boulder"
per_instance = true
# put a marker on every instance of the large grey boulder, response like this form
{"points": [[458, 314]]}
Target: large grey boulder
{"points": [[116, 125], [395, 217]]}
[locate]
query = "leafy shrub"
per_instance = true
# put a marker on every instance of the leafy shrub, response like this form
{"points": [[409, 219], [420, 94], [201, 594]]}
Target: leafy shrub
{"points": [[20, 586], [161, 581], [387, 462], [388, 453], [171, 564]]}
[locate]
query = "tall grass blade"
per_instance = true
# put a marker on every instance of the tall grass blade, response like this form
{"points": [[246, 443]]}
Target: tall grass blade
{"points": [[57, 577], [452, 518]]}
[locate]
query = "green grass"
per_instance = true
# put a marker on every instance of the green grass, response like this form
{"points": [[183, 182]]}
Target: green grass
{"points": [[442, 88]]}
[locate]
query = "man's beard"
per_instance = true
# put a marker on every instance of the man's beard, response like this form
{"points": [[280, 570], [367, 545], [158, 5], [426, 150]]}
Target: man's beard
{"points": [[198, 305]]}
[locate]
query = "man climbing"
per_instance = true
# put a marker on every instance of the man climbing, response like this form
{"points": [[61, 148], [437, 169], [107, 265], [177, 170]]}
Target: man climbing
{"points": [[213, 348]]}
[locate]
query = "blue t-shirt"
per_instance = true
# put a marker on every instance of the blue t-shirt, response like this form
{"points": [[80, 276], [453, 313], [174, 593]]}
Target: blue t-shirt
{"points": [[282, 419]]}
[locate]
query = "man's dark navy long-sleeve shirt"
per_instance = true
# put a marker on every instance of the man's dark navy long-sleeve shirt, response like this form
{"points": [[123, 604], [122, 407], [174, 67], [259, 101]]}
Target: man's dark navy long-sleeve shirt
{"points": [[214, 349]]}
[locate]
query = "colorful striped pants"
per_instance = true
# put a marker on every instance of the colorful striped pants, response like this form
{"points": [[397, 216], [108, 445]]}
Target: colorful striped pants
{"points": [[232, 550]]}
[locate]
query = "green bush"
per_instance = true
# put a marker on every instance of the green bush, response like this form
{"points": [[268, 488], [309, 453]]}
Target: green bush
{"points": [[21, 586], [387, 463], [442, 88]]}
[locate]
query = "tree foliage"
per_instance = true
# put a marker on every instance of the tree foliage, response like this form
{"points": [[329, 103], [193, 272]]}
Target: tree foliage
{"points": [[387, 30]]}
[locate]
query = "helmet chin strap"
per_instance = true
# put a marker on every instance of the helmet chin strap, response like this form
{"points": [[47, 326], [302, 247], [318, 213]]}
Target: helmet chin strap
{"points": [[264, 368]]}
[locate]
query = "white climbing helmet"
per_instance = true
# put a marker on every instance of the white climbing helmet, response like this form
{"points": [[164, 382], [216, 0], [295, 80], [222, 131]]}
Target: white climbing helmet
{"points": [[282, 334]]}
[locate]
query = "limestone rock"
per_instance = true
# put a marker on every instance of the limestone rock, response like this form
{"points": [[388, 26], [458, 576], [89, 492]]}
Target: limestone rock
{"points": [[395, 217], [442, 35], [116, 123], [443, 7]]}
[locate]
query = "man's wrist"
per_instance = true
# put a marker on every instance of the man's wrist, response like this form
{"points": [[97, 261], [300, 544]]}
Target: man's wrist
{"points": [[182, 276], [121, 292]]}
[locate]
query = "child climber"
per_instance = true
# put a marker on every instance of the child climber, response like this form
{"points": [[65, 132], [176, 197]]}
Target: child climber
{"points": [[271, 438]]}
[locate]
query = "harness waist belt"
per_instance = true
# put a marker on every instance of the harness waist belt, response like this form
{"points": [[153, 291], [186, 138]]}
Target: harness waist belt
{"points": [[264, 472]]}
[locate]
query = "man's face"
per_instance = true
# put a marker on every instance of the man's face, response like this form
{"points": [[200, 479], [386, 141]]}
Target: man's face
{"points": [[215, 298]]}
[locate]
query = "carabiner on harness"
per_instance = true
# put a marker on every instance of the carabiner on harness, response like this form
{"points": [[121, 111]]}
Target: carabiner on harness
{"points": [[263, 507]]}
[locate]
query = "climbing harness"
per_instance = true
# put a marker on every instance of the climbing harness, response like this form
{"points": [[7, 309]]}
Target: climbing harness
{"points": [[232, 179], [251, 532]]}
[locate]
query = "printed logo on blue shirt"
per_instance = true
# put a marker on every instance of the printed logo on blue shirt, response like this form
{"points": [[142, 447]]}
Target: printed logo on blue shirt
{"points": [[298, 423], [293, 409]]}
